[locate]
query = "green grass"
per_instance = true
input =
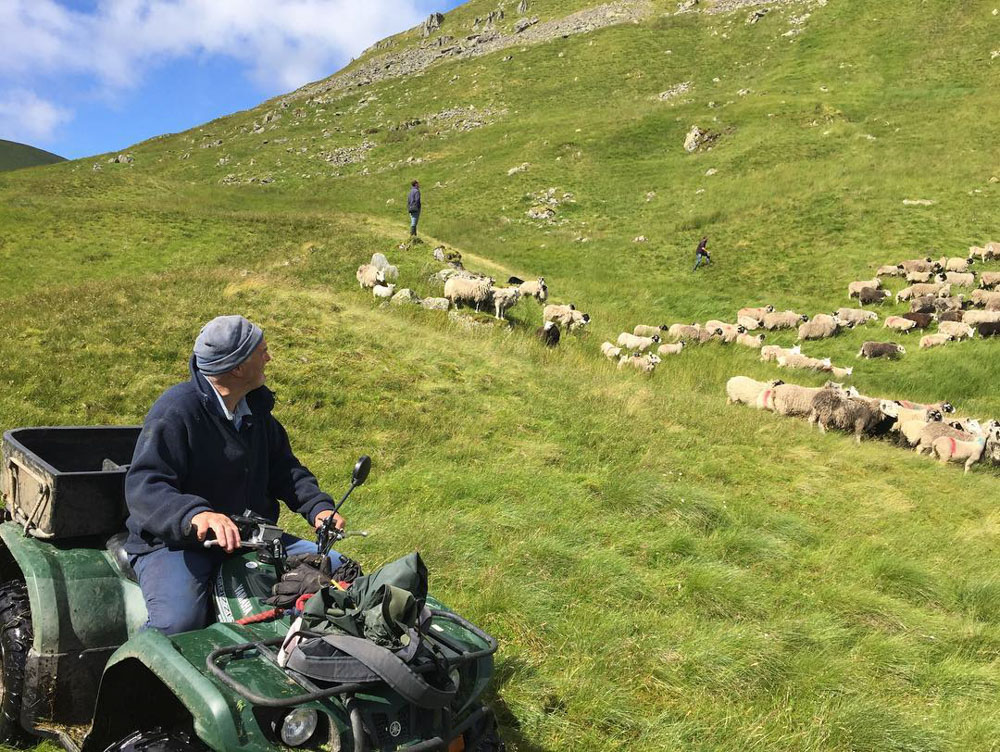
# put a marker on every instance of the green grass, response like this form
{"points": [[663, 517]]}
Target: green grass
{"points": [[663, 571], [15, 156]]}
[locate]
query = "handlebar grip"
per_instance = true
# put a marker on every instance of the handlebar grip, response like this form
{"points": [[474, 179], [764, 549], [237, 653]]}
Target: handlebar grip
{"points": [[212, 542]]}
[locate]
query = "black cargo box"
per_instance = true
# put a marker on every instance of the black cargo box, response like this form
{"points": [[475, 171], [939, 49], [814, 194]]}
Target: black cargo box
{"points": [[55, 484]]}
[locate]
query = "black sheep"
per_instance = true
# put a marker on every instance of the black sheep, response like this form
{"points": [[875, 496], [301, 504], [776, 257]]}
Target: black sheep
{"points": [[922, 320], [870, 295], [548, 334], [988, 328]]}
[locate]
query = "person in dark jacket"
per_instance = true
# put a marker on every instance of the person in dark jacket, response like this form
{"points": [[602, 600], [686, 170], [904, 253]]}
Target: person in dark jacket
{"points": [[701, 255], [413, 206], [210, 448]]}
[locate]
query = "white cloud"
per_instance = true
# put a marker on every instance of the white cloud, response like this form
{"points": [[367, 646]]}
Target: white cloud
{"points": [[26, 117], [283, 43]]}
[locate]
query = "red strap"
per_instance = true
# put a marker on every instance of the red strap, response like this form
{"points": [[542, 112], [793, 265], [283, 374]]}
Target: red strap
{"points": [[274, 613], [301, 602]]}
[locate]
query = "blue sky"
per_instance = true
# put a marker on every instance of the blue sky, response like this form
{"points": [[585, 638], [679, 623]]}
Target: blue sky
{"points": [[82, 77]]}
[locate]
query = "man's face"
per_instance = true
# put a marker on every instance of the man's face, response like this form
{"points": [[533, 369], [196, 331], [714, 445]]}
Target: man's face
{"points": [[253, 367]]}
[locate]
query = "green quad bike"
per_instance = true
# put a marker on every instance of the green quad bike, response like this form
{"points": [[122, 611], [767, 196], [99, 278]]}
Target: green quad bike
{"points": [[76, 665]]}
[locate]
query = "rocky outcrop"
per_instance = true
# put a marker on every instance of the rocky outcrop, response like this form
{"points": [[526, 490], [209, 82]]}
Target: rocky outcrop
{"points": [[432, 23]]}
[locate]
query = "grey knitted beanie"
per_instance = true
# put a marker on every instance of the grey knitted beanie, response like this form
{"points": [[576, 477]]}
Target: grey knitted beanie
{"points": [[224, 343]]}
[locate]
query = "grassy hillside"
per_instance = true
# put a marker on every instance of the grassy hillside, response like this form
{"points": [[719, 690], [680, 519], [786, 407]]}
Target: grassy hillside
{"points": [[14, 156], [663, 571]]}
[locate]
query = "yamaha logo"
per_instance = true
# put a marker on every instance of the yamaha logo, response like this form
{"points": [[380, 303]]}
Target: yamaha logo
{"points": [[395, 729]]}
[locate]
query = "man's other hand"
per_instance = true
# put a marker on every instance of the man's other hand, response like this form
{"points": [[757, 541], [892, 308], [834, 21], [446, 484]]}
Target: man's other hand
{"points": [[338, 521], [224, 528]]}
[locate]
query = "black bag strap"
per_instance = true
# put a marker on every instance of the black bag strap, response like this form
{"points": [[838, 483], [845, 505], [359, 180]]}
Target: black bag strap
{"points": [[376, 662]]}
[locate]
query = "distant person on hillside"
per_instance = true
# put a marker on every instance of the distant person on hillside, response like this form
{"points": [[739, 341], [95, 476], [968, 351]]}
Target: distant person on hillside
{"points": [[413, 206], [702, 255]]}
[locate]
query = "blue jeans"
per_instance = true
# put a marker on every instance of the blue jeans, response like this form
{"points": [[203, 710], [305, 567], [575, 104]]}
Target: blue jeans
{"points": [[698, 259], [177, 583], [414, 216]]}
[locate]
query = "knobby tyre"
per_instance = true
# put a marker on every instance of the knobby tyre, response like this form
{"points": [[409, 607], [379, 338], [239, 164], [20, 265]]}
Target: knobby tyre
{"points": [[157, 740], [15, 639]]}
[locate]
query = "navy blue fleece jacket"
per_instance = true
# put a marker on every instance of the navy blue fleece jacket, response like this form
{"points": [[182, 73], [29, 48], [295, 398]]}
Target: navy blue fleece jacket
{"points": [[189, 459]]}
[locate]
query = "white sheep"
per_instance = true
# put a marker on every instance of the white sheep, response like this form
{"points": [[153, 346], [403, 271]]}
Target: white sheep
{"points": [[476, 291], [726, 332], [804, 362], [821, 326], [854, 288], [890, 270], [842, 373], [912, 277], [956, 329], [637, 344], [940, 289], [644, 330], [670, 349], [773, 352], [856, 316], [746, 391], [755, 312], [987, 298], [750, 340], [955, 264], [899, 323], [951, 450], [960, 279], [610, 351], [979, 253], [645, 363], [935, 340], [980, 317], [783, 320], [536, 289], [383, 291], [989, 280], [566, 316], [919, 265], [369, 275], [505, 298], [389, 272], [749, 322]]}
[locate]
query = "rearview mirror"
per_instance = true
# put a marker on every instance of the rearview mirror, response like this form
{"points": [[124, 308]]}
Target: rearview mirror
{"points": [[361, 470]]}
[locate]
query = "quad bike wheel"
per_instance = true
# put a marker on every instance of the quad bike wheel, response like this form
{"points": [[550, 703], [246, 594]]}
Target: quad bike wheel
{"points": [[157, 740], [15, 639], [491, 741]]}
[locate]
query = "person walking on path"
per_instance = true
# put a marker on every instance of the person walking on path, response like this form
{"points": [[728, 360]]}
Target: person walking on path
{"points": [[702, 255], [413, 206]]}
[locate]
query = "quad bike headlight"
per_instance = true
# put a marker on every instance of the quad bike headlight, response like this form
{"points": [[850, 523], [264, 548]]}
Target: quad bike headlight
{"points": [[298, 726]]}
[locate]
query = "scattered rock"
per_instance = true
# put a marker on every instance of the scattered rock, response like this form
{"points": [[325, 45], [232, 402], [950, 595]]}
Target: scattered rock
{"points": [[522, 7], [917, 202], [686, 5], [435, 304], [676, 90], [469, 322], [406, 295], [541, 212], [995, 54], [757, 15], [639, 239], [696, 138], [97, 167], [212, 144], [346, 155], [710, 171], [389, 201], [743, 92], [185, 155], [995, 179], [506, 58], [525, 23], [121, 159], [650, 195], [432, 23], [223, 161], [523, 167]]}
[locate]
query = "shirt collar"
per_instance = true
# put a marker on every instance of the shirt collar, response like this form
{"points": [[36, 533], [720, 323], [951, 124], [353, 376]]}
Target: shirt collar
{"points": [[237, 415]]}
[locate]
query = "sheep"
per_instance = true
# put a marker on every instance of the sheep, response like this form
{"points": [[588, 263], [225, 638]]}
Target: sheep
{"points": [[757, 313], [610, 351], [912, 277], [980, 253], [941, 289], [383, 291], [986, 298], [899, 323], [935, 430], [577, 320], [435, 304], [466, 290], [548, 333], [856, 316], [642, 330], [670, 349], [868, 296], [842, 373], [956, 264], [988, 328], [505, 298], [389, 272], [922, 320], [749, 322], [369, 275], [989, 280], [956, 329], [804, 362], [881, 350], [854, 289], [553, 311], [820, 327], [935, 340], [792, 399], [981, 317], [726, 332], [833, 408], [746, 391], [950, 450], [919, 265], [783, 320], [960, 279], [691, 333], [992, 250], [645, 363], [565, 315], [944, 407], [891, 270], [750, 340], [637, 344], [773, 352], [909, 429], [951, 316], [536, 289]]}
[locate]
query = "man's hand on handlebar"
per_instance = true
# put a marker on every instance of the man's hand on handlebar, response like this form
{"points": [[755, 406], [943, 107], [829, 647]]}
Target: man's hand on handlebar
{"points": [[338, 521], [226, 533]]}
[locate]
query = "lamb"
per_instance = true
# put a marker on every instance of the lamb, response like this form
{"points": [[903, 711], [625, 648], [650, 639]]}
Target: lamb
{"points": [[820, 327], [610, 351], [773, 352], [922, 320], [856, 316], [842, 373], [988, 328], [645, 363], [548, 333], [912, 277], [833, 408], [466, 290], [746, 391], [950, 450], [989, 280], [383, 291], [637, 344], [960, 279], [980, 317], [757, 313], [854, 289], [783, 320], [536, 289], [868, 296], [369, 275], [792, 399], [505, 298], [956, 264], [899, 323], [390, 272], [804, 362], [977, 252], [750, 340], [670, 349], [935, 430], [891, 270], [881, 350], [642, 330], [920, 265], [957, 329], [935, 340]]}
